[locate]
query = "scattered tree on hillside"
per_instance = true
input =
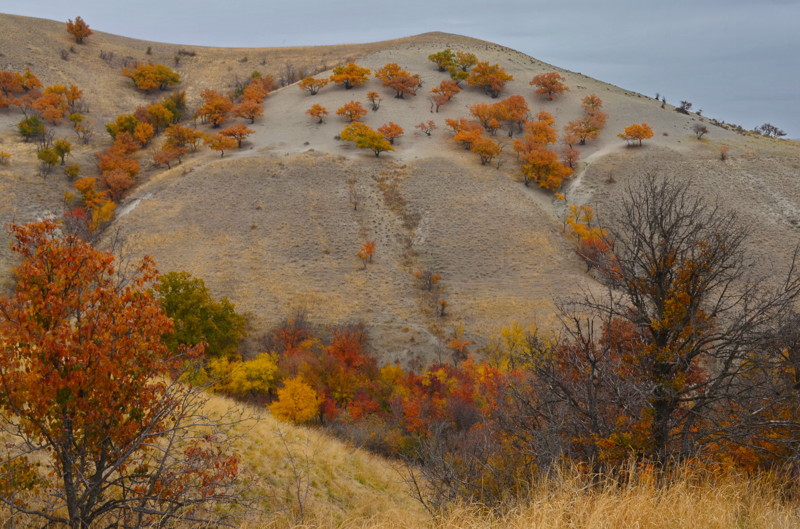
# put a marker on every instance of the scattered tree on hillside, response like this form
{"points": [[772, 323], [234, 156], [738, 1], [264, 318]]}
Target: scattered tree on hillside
{"points": [[374, 99], [767, 129], [218, 142], [238, 132], [443, 59], [636, 133], [78, 29], [311, 85], [486, 149], [399, 80], [149, 76], [699, 130], [492, 78], [426, 127], [443, 93], [62, 148], [317, 112], [352, 111], [97, 430], [366, 252], [587, 127], [366, 138], [550, 84], [391, 131], [249, 109], [31, 128], [215, 107], [350, 75]]}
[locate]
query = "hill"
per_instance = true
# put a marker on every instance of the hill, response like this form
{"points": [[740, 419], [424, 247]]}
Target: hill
{"points": [[273, 225]]}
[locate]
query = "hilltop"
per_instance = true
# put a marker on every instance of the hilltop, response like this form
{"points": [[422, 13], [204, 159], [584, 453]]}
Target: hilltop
{"points": [[272, 226]]}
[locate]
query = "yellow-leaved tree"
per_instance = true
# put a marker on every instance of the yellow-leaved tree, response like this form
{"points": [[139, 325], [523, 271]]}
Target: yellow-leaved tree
{"points": [[297, 402]]}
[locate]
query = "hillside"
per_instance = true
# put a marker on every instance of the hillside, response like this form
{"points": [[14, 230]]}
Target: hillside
{"points": [[273, 226]]}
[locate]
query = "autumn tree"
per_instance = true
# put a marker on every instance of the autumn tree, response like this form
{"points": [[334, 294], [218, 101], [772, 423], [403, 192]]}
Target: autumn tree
{"points": [[486, 148], [399, 80], [238, 132], [443, 59], [317, 112], [684, 315], [593, 121], [352, 111], [549, 85], [51, 106], [62, 148], [218, 142], [215, 107], [490, 77], [97, 431], [78, 29], [48, 158], [374, 99], [180, 137], [366, 252], [443, 94], [426, 126], [391, 131], [636, 133], [148, 76], [366, 138], [297, 402], [350, 75], [312, 85]]}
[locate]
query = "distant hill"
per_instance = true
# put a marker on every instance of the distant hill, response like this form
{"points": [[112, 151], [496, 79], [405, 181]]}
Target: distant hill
{"points": [[272, 226]]}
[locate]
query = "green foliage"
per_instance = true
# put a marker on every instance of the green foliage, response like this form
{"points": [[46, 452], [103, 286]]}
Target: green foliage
{"points": [[197, 317], [123, 123], [31, 127]]}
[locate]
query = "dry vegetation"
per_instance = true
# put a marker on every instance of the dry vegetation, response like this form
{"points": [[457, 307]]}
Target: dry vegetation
{"points": [[274, 228]]}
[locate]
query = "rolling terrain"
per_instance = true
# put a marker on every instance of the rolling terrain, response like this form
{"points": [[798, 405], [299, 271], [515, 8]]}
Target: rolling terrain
{"points": [[273, 225]]}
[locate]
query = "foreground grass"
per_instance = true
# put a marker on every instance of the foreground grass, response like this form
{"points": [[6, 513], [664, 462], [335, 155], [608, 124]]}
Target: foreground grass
{"points": [[570, 502], [302, 478]]}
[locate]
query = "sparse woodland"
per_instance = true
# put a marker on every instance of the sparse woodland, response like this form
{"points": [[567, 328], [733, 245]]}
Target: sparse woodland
{"points": [[675, 375]]}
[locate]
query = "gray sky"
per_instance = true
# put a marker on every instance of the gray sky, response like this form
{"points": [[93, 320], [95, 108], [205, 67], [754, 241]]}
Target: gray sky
{"points": [[737, 60]]}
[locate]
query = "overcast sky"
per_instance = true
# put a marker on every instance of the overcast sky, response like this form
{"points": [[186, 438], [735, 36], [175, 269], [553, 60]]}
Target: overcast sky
{"points": [[737, 60]]}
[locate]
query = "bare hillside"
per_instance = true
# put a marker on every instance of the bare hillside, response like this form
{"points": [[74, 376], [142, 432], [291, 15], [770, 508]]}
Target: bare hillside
{"points": [[273, 225]]}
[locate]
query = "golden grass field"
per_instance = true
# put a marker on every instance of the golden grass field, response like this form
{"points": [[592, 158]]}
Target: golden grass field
{"points": [[347, 488]]}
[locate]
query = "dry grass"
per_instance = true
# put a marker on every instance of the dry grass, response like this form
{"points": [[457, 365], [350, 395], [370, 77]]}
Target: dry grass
{"points": [[569, 502]]}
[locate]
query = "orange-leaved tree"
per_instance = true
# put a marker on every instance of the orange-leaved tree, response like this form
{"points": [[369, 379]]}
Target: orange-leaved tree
{"points": [[98, 431], [398, 80], [350, 75], [491, 77], [317, 112], [549, 85], [78, 29], [391, 131], [218, 142], [238, 132], [636, 133], [312, 85], [215, 107], [352, 111]]}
